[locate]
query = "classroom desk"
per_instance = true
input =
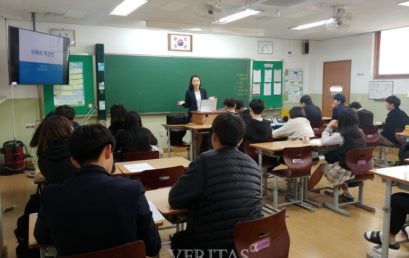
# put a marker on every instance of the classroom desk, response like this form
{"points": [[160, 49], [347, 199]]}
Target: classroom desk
{"points": [[172, 128], [400, 176], [195, 131], [159, 197], [155, 163], [326, 119]]}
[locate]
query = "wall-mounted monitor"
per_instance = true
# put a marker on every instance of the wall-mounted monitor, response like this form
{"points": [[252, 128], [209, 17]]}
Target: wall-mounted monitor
{"points": [[37, 58]]}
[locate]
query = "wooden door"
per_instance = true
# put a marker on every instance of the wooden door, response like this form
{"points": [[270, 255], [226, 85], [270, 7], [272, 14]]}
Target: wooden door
{"points": [[335, 73]]}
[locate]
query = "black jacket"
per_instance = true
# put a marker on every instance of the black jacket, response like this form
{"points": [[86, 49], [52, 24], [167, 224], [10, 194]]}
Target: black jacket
{"points": [[115, 127], [220, 188], [94, 211], [313, 114], [258, 131], [395, 121], [129, 141], [55, 163], [190, 100], [365, 118]]}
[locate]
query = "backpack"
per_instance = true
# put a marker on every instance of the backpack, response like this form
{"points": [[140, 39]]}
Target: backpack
{"points": [[403, 154], [21, 232]]}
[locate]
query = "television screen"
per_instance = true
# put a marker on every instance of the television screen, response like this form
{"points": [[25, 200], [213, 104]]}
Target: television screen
{"points": [[37, 58]]}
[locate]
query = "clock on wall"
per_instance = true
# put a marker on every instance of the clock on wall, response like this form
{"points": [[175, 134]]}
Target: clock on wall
{"points": [[65, 33]]}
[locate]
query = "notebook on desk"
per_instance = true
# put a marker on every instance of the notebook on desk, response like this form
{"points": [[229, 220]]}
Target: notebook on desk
{"points": [[208, 105]]}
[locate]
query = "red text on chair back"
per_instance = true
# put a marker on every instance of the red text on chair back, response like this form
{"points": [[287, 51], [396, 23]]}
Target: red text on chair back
{"points": [[298, 160], [360, 160], [161, 177]]}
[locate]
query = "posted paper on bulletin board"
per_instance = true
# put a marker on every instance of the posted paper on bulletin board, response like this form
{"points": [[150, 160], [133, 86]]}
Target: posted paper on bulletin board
{"points": [[72, 94], [293, 85]]}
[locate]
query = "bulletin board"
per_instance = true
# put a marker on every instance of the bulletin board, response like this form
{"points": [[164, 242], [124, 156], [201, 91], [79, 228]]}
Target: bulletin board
{"points": [[380, 89], [293, 85], [267, 82]]}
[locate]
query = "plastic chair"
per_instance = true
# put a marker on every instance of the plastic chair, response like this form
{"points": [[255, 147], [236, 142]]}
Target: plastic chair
{"points": [[359, 162], [318, 128], [132, 156], [371, 135], [263, 238], [131, 250], [299, 162], [161, 177]]}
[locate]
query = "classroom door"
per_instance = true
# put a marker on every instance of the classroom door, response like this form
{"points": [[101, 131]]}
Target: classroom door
{"points": [[336, 73]]}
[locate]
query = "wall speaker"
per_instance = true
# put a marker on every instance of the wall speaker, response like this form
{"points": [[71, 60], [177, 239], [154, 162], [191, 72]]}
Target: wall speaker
{"points": [[305, 47]]}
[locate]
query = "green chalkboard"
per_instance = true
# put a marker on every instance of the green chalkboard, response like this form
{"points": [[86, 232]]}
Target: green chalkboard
{"points": [[80, 93], [267, 82], [154, 84]]}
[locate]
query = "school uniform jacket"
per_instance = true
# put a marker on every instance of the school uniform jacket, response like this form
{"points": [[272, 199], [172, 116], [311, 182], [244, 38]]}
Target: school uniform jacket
{"points": [[94, 211], [395, 121], [190, 100]]}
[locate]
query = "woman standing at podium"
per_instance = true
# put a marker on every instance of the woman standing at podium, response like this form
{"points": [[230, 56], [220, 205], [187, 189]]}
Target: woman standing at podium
{"points": [[193, 96]]}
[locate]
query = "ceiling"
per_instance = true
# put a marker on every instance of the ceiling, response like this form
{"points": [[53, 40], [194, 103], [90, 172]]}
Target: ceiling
{"points": [[277, 16]]}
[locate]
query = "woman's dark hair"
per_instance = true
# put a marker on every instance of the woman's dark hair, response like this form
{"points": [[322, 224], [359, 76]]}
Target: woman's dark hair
{"points": [[297, 112], [306, 99], [88, 141], [54, 128], [393, 100], [36, 135], [118, 113], [133, 126], [191, 79], [65, 110], [348, 123], [229, 128]]}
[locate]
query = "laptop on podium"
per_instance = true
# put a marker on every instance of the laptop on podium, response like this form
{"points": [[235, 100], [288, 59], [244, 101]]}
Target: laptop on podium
{"points": [[208, 105]]}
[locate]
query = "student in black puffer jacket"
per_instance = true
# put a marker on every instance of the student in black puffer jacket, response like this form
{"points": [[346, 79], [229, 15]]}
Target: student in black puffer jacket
{"points": [[220, 188]]}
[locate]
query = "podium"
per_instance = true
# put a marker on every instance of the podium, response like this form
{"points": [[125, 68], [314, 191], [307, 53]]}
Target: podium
{"points": [[204, 118]]}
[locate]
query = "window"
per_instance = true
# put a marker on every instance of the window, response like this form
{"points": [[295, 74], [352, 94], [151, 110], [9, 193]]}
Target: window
{"points": [[392, 54]]}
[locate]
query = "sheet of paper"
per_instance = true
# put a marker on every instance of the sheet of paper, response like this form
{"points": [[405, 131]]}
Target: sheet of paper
{"points": [[268, 75], [257, 76], [277, 88], [138, 167], [315, 142], [256, 88], [156, 215], [267, 89], [277, 75]]}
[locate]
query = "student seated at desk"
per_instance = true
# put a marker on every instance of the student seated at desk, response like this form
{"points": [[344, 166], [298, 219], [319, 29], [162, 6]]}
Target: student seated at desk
{"points": [[242, 111], [68, 112], [118, 115], [257, 128], [399, 211], [348, 136], [298, 127], [312, 112], [135, 138], [93, 210], [220, 188], [53, 159], [365, 116], [229, 105], [337, 105]]}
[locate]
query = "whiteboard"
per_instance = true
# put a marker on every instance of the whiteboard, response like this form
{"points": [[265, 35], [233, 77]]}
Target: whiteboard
{"points": [[380, 89]]}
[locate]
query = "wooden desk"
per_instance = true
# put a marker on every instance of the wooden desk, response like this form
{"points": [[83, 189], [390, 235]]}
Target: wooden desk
{"points": [[201, 118], [155, 163], [172, 128], [159, 197], [195, 131], [326, 119], [399, 175]]}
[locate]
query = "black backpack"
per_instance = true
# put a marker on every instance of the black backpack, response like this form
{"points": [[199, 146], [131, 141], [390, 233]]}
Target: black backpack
{"points": [[21, 232], [403, 154]]}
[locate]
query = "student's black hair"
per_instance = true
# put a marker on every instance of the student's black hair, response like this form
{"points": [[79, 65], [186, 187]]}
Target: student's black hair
{"points": [[306, 99], [133, 126], [88, 141], [36, 135], [257, 105], [118, 113], [191, 79], [297, 112], [393, 100], [65, 110], [340, 98], [229, 102], [239, 104], [229, 128], [355, 105], [348, 123]]}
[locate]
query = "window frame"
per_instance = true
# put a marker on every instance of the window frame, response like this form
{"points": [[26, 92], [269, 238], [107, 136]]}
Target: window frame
{"points": [[377, 47]]}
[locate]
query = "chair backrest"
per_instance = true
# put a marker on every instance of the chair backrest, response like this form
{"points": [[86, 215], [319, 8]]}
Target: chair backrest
{"points": [[360, 160], [130, 250], [298, 160], [263, 238], [371, 135], [132, 156], [318, 128], [161, 177]]}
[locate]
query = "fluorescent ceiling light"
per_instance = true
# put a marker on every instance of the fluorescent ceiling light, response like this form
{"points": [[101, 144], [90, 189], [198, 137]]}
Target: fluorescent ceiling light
{"points": [[127, 6], [313, 24], [237, 16], [404, 3]]}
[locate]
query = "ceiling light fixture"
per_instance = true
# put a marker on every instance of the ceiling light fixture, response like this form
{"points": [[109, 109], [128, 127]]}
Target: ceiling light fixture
{"points": [[127, 6], [406, 3], [313, 24], [237, 16]]}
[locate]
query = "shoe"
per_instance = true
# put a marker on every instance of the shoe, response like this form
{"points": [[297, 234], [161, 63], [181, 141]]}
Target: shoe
{"points": [[346, 197], [405, 231], [375, 237]]}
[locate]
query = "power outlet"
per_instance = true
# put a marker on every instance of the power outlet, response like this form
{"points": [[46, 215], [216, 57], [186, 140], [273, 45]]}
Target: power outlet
{"points": [[161, 133]]}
